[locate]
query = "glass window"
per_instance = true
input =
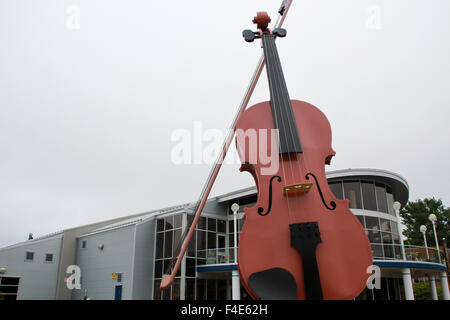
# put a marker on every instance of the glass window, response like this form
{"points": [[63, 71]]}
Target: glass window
{"points": [[201, 289], [158, 268], [361, 219], [381, 197], [385, 225], [368, 192], [231, 226], [29, 256], [177, 220], [176, 289], [176, 240], [353, 194], [212, 224], [390, 201], [166, 293], [336, 188], [372, 223], [221, 226], [211, 289], [159, 245], [48, 257], [389, 251], [168, 244], [221, 289], [212, 240], [394, 227], [159, 225], [157, 292], [166, 263], [374, 236], [201, 240], [398, 252], [83, 244], [231, 240], [396, 238], [190, 267], [190, 289], [202, 223], [190, 218], [191, 247], [169, 222], [387, 237], [377, 251]]}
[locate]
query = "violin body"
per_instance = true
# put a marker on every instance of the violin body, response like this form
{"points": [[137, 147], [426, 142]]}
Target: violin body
{"points": [[343, 254]]}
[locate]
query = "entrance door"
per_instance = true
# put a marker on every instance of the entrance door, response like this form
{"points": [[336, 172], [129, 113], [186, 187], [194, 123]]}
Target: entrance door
{"points": [[118, 293]]}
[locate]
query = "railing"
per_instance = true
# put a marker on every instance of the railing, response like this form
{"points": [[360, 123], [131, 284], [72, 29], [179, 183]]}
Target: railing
{"points": [[219, 255], [413, 253], [416, 253]]}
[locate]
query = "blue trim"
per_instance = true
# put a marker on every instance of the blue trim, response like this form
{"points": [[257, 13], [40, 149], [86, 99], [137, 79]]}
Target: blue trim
{"points": [[226, 267], [414, 265], [385, 264]]}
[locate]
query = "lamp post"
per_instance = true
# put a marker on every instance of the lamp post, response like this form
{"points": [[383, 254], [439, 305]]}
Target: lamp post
{"points": [[432, 217], [423, 229], [406, 272], [236, 282], [397, 205]]}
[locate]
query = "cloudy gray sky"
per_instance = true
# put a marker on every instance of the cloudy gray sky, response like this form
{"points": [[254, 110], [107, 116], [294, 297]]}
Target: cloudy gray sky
{"points": [[87, 111]]}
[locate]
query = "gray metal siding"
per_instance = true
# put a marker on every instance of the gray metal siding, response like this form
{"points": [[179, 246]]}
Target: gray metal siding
{"points": [[143, 261], [97, 265], [38, 278]]}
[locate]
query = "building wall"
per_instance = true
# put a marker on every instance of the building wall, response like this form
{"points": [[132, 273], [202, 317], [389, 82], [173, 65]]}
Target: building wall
{"points": [[143, 262], [69, 249], [38, 278], [97, 266]]}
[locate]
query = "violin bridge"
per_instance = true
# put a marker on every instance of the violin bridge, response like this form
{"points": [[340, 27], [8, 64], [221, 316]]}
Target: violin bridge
{"points": [[300, 188]]}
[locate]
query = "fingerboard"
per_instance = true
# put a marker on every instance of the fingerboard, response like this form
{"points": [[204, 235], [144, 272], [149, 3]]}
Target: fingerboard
{"points": [[283, 116]]}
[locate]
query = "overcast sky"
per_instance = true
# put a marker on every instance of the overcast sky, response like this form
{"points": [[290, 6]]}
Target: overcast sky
{"points": [[92, 90]]}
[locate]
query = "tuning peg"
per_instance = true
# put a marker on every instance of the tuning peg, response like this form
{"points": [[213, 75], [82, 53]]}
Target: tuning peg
{"points": [[279, 32], [248, 35]]}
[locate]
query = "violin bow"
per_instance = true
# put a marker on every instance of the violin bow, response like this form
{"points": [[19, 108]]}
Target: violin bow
{"points": [[174, 266]]}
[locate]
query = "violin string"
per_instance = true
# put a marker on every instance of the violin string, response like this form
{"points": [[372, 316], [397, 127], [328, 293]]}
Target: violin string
{"points": [[271, 50], [289, 115]]}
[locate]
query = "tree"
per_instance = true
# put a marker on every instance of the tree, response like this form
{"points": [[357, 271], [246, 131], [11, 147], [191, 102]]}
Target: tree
{"points": [[416, 213]]}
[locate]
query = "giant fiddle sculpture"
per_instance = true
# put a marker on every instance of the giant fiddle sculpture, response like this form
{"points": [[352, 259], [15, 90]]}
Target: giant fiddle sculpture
{"points": [[298, 241]]}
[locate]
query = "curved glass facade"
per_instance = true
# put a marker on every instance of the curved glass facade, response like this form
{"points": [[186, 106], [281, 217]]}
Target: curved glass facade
{"points": [[379, 221]]}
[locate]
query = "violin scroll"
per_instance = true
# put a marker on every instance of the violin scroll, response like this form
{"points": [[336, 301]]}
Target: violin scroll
{"points": [[262, 20]]}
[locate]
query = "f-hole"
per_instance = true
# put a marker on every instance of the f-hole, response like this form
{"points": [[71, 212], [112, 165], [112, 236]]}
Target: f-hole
{"points": [[261, 209]]}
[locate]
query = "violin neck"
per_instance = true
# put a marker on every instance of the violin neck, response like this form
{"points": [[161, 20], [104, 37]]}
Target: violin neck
{"points": [[283, 116]]}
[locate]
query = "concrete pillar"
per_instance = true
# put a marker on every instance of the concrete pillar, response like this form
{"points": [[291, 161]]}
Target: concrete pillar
{"points": [[236, 285], [407, 284], [433, 290], [444, 285]]}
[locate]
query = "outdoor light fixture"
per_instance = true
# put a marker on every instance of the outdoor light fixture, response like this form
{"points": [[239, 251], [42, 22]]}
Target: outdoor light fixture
{"points": [[101, 246], [423, 229], [397, 205], [236, 294], [432, 217], [2, 270]]}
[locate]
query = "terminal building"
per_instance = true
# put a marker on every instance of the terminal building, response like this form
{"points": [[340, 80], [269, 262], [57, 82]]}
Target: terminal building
{"points": [[125, 258]]}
